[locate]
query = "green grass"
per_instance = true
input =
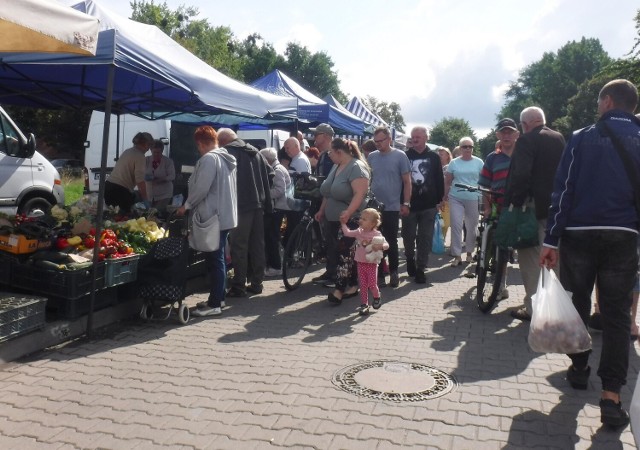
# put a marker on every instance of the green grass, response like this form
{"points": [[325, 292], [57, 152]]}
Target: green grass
{"points": [[73, 189]]}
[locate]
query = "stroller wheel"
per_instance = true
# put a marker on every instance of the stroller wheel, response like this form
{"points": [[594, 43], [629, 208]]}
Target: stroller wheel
{"points": [[183, 314], [146, 312]]}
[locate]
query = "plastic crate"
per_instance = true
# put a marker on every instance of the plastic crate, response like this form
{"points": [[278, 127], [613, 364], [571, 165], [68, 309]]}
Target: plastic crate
{"points": [[72, 308], [56, 283], [20, 244], [20, 314], [121, 270], [7, 261]]}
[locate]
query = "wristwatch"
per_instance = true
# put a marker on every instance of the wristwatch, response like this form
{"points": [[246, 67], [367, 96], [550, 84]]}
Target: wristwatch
{"points": [[407, 204]]}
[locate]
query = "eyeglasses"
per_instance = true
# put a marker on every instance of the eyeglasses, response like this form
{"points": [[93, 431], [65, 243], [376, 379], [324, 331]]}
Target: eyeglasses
{"points": [[379, 141], [466, 146]]}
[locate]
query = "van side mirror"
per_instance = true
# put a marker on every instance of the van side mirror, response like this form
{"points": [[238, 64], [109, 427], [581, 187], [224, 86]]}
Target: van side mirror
{"points": [[30, 147]]}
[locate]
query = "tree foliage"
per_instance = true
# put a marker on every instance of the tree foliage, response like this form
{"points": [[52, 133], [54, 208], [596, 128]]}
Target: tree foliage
{"points": [[550, 82], [389, 112], [448, 132]]}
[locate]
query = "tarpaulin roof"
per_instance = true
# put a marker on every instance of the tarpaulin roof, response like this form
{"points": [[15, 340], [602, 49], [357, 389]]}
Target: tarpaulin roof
{"points": [[46, 26], [357, 107], [152, 73], [310, 107]]}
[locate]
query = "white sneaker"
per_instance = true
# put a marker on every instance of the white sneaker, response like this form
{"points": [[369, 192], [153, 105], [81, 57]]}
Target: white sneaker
{"points": [[271, 272], [203, 305], [223, 304], [207, 311]]}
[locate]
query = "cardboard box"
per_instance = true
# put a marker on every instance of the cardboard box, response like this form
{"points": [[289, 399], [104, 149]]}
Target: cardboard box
{"points": [[19, 244]]}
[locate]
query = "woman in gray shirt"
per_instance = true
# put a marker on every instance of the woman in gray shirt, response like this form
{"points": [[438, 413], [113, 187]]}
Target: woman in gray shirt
{"points": [[344, 193]]}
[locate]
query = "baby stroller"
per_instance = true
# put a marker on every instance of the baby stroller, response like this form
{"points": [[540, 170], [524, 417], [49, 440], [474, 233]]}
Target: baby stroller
{"points": [[163, 278]]}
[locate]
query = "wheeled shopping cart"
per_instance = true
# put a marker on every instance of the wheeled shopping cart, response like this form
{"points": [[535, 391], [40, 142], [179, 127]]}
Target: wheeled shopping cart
{"points": [[163, 279]]}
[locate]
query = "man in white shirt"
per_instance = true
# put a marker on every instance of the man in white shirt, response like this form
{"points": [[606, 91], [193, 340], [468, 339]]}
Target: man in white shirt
{"points": [[299, 161]]}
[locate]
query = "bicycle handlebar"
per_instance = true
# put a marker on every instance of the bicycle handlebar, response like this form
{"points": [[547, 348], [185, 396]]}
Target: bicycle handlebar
{"points": [[467, 187]]}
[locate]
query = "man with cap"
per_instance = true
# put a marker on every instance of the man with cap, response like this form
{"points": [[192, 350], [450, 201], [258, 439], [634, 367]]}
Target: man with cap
{"points": [[495, 171], [533, 166], [323, 135], [496, 166]]}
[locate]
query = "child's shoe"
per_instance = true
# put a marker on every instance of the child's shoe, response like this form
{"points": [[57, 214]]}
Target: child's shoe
{"points": [[376, 303], [363, 309]]}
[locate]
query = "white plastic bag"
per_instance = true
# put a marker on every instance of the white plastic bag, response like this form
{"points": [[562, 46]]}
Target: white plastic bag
{"points": [[634, 413], [556, 326]]}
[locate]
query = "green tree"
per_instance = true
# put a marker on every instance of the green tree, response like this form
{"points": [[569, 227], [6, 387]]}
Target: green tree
{"points": [[214, 45], [550, 82], [258, 57], [389, 112], [449, 130]]}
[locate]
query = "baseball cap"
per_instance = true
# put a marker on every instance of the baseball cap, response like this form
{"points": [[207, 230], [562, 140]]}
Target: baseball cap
{"points": [[322, 128], [507, 123]]}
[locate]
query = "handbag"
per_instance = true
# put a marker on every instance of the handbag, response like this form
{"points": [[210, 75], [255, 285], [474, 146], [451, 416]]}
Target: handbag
{"points": [[373, 202], [556, 326], [517, 228], [437, 244], [204, 235]]}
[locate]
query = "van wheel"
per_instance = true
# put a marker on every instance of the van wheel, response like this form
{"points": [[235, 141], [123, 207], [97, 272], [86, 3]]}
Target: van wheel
{"points": [[33, 204]]}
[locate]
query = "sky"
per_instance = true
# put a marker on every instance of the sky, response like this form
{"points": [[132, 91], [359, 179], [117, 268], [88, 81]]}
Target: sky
{"points": [[435, 58]]}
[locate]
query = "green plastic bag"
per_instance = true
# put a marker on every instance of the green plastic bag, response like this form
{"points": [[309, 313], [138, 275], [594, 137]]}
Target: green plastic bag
{"points": [[517, 228]]}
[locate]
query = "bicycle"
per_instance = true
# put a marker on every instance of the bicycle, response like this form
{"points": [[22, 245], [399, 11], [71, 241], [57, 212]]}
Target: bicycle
{"points": [[491, 261], [299, 250]]}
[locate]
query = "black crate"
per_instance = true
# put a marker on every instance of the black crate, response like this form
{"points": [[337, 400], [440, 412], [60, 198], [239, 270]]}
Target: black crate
{"points": [[70, 284], [72, 308], [7, 261], [20, 314]]}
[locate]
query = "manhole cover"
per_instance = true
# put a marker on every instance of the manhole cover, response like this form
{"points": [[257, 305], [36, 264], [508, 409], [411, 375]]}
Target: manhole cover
{"points": [[395, 381]]}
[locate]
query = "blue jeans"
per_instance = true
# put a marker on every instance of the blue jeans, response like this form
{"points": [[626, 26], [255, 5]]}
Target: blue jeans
{"points": [[418, 224], [217, 272], [610, 259]]}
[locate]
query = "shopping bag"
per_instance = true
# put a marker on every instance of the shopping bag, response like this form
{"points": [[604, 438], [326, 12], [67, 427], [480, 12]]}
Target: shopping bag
{"points": [[517, 228], [437, 245], [634, 413], [556, 326]]}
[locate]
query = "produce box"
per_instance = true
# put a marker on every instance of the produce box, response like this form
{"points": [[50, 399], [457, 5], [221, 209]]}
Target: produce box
{"points": [[57, 283], [20, 314], [73, 308], [19, 244], [121, 270], [7, 262]]}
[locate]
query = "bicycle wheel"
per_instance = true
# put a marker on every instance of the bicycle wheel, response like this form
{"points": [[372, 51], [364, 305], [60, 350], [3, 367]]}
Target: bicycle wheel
{"points": [[490, 276], [297, 257]]}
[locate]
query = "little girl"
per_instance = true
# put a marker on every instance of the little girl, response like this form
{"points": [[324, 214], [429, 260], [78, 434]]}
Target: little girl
{"points": [[367, 271]]}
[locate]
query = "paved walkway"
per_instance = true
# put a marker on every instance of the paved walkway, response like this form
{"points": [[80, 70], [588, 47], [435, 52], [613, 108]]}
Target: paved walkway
{"points": [[260, 377]]}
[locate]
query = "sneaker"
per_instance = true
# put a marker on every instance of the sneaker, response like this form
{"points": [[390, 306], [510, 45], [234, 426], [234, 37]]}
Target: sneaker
{"points": [[612, 414], [521, 314], [236, 292], [455, 262], [207, 311], [203, 305], [271, 272], [394, 280], [420, 278], [381, 281], [595, 321], [255, 289], [578, 379], [504, 294], [377, 303], [411, 267], [363, 310], [322, 278]]}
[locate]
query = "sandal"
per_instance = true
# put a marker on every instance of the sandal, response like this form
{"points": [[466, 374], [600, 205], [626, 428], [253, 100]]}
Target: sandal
{"points": [[333, 299]]}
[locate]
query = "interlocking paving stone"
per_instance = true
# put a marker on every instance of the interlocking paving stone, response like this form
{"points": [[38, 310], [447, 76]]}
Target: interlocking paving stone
{"points": [[260, 377]]}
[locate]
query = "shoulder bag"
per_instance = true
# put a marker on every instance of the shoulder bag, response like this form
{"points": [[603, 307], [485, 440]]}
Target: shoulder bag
{"points": [[517, 228]]}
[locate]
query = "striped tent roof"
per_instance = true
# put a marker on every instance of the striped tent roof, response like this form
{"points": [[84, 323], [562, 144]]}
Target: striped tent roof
{"points": [[357, 107]]}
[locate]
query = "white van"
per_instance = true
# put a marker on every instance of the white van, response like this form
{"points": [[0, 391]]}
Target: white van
{"points": [[27, 180], [121, 133]]}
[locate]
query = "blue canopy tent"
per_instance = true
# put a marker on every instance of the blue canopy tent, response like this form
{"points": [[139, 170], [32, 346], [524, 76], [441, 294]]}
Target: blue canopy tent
{"points": [[136, 69], [310, 107]]}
